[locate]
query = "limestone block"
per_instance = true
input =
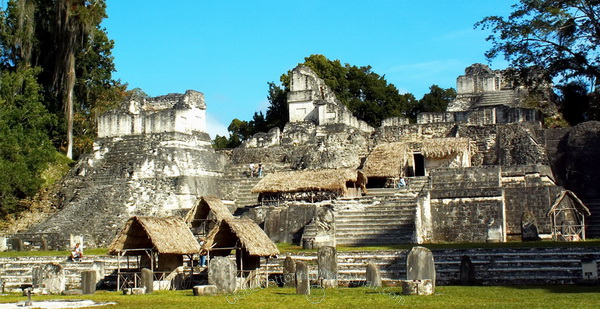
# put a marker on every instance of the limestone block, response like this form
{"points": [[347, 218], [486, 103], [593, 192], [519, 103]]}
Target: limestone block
{"points": [[134, 291], [329, 283], [200, 290], [417, 287], [76, 292]]}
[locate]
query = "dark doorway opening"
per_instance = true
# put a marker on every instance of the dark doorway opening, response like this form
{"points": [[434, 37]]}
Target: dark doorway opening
{"points": [[419, 164]]}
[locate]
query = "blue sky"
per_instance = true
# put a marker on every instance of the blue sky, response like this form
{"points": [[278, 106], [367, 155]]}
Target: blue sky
{"points": [[229, 50]]}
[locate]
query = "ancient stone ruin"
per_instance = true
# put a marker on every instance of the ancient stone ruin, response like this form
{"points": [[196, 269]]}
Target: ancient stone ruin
{"points": [[472, 173]]}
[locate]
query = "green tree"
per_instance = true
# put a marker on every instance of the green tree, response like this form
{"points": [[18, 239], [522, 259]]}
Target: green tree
{"points": [[562, 37], [367, 94], [65, 39], [278, 112], [436, 100], [25, 148]]}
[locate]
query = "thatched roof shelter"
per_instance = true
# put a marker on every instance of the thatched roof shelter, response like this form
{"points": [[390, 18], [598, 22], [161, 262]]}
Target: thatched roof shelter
{"points": [[164, 235], [244, 232], [576, 203], [308, 180], [388, 159], [208, 207]]}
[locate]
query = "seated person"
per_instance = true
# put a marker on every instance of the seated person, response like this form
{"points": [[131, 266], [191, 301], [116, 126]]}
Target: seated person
{"points": [[77, 253], [401, 183]]}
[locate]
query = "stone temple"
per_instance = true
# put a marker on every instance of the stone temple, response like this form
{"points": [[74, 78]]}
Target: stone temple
{"points": [[485, 170]]}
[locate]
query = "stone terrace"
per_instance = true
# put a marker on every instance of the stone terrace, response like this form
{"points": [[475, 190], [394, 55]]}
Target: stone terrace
{"points": [[501, 266]]}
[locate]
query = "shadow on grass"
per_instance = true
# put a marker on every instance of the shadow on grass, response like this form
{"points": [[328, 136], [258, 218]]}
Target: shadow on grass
{"points": [[561, 289]]}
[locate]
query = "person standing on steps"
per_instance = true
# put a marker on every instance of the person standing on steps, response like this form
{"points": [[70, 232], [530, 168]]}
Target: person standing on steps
{"points": [[252, 169]]}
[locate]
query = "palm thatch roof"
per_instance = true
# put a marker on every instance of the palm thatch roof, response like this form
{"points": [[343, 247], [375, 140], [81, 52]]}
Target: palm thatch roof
{"points": [[244, 232], [387, 160], [164, 235], [208, 207], [307, 180], [577, 203]]}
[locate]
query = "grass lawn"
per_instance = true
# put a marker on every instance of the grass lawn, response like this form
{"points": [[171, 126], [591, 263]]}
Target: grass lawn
{"points": [[445, 297], [284, 247]]}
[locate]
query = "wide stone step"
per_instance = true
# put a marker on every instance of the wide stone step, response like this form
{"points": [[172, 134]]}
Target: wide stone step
{"points": [[373, 222]]}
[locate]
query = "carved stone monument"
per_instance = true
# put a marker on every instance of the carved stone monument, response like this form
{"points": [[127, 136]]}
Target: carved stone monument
{"points": [[200, 290], [289, 272], [88, 282], [589, 269], [147, 278], [529, 230], [373, 275], [302, 280], [222, 274], [328, 268], [420, 266], [50, 276], [467, 271]]}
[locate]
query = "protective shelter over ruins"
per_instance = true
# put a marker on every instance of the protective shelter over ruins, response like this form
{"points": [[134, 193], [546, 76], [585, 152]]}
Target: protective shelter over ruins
{"points": [[160, 243], [568, 217], [249, 242], [310, 185], [409, 158], [206, 214]]}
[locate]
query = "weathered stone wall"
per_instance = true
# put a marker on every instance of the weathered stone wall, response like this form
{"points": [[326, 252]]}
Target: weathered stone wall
{"points": [[184, 113], [520, 145], [576, 158], [310, 99], [466, 202], [479, 78], [149, 175], [483, 116], [306, 146], [285, 223]]}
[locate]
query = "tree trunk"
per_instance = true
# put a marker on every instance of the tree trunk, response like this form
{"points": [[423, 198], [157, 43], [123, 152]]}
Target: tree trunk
{"points": [[70, 86]]}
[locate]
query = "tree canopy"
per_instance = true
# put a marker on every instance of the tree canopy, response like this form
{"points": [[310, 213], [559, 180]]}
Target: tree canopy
{"points": [[552, 41], [56, 76], [367, 94]]}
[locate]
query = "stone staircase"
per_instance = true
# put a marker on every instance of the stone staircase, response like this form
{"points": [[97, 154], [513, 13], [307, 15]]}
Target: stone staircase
{"points": [[377, 220], [592, 222], [238, 185], [500, 266], [504, 97], [384, 216], [16, 271]]}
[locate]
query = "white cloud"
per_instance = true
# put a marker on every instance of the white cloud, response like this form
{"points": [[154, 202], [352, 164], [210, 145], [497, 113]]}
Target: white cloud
{"points": [[214, 127]]}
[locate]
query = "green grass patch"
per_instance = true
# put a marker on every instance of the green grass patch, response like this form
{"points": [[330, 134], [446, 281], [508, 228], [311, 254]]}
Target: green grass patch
{"points": [[445, 297], [97, 251], [288, 248]]}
